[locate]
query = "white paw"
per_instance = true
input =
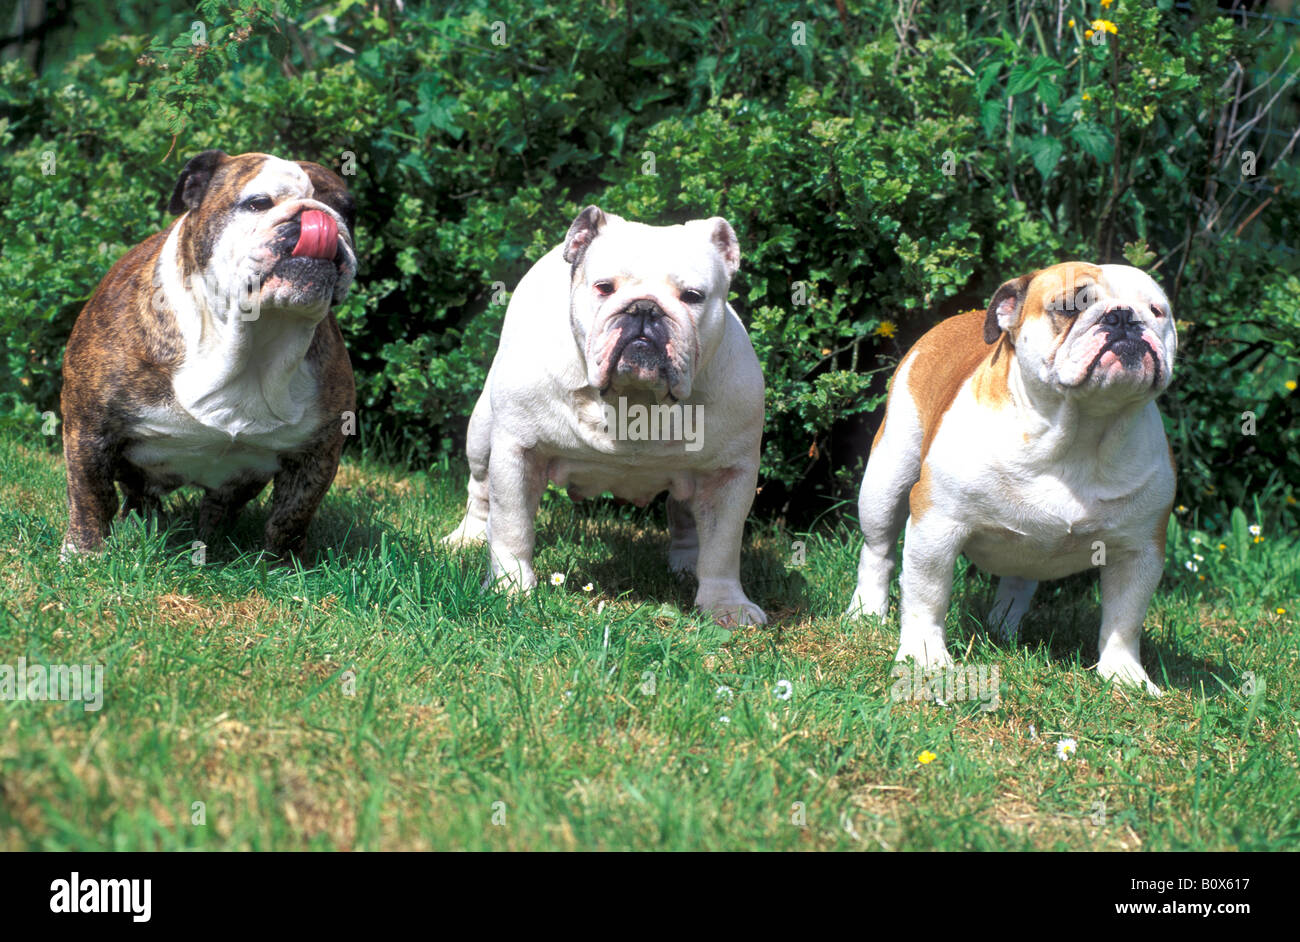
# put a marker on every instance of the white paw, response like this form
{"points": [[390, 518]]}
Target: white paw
{"points": [[866, 603], [925, 651], [735, 614], [1002, 627], [726, 601], [471, 532], [1125, 670]]}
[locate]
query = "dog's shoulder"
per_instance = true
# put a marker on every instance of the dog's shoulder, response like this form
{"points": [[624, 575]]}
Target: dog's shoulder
{"points": [[940, 363]]}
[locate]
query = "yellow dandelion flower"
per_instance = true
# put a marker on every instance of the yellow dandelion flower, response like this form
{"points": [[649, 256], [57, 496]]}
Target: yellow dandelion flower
{"points": [[1104, 26], [886, 329], [1087, 34], [1281, 611], [1105, 4], [926, 757], [1223, 546], [1071, 23], [1290, 384], [1201, 577], [1259, 539], [1087, 97]]}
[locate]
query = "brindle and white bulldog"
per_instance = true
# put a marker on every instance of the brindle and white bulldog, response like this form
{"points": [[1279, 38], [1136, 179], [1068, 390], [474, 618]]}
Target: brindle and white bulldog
{"points": [[623, 368], [210, 355], [1027, 437]]}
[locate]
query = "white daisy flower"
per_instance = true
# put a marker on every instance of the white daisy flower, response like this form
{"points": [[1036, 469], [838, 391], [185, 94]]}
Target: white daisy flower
{"points": [[1191, 566], [784, 690], [1255, 529], [1066, 748], [724, 719], [557, 578], [588, 587], [724, 693]]}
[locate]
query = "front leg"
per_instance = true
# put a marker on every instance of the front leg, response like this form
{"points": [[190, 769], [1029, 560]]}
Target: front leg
{"points": [[300, 486], [719, 506], [516, 477], [1127, 584], [930, 549]]}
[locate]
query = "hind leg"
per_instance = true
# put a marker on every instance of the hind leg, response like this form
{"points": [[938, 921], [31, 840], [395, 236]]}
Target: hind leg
{"points": [[137, 496], [1010, 605], [220, 506], [473, 528], [684, 539], [892, 469]]}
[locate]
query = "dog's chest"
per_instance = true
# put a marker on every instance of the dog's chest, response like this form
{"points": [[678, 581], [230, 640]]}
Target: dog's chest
{"points": [[1061, 535], [209, 436]]}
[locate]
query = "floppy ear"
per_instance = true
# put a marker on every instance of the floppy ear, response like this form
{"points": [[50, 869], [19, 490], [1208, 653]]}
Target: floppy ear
{"points": [[194, 180], [724, 237], [585, 228], [1004, 310], [333, 192]]}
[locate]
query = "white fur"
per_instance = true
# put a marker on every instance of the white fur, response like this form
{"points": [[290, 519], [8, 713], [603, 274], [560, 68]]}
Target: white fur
{"points": [[1026, 491], [540, 418]]}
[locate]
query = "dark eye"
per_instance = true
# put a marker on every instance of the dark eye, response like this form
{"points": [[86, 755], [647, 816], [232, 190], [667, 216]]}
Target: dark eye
{"points": [[257, 204], [604, 288], [1158, 311], [691, 296]]}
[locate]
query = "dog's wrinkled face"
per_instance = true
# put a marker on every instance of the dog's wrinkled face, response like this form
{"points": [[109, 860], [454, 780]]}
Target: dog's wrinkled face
{"points": [[280, 231], [1100, 331], [648, 303]]}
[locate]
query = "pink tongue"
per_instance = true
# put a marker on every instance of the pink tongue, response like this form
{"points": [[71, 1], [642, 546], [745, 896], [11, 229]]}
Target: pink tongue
{"points": [[320, 235]]}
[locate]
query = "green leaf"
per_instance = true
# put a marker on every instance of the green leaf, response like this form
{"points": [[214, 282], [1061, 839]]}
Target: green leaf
{"points": [[1045, 151]]}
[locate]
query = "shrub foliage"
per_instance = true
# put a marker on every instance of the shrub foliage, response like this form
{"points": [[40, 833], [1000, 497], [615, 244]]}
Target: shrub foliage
{"points": [[881, 169]]}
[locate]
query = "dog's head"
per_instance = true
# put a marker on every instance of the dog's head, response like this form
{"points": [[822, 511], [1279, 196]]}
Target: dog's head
{"points": [[282, 231], [1104, 332], [648, 303]]}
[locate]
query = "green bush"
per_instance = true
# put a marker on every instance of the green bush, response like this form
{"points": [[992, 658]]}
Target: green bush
{"points": [[879, 174]]}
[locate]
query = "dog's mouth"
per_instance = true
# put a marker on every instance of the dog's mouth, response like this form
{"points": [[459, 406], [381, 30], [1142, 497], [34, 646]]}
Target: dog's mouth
{"points": [[1127, 356], [639, 352], [312, 236]]}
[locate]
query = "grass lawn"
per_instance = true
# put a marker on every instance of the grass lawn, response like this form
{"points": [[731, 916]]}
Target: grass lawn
{"points": [[380, 700]]}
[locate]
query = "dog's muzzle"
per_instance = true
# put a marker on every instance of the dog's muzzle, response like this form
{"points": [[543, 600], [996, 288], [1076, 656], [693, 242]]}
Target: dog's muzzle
{"points": [[643, 338], [1125, 341], [1123, 333]]}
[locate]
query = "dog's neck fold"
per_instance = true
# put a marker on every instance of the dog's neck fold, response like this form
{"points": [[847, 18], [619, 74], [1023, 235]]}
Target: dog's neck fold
{"points": [[1061, 426], [244, 372]]}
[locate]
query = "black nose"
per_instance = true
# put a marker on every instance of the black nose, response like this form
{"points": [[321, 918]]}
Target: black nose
{"points": [[1122, 320], [644, 315], [643, 308]]}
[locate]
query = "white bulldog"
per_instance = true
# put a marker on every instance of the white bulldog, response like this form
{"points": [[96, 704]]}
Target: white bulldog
{"points": [[623, 368], [1028, 438]]}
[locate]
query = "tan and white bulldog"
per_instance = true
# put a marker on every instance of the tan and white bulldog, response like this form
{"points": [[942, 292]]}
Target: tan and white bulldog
{"points": [[623, 368], [1027, 437], [210, 355]]}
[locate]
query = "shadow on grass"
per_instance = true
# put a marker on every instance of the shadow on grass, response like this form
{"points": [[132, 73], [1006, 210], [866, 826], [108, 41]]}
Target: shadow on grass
{"points": [[624, 550], [1065, 619], [343, 530]]}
